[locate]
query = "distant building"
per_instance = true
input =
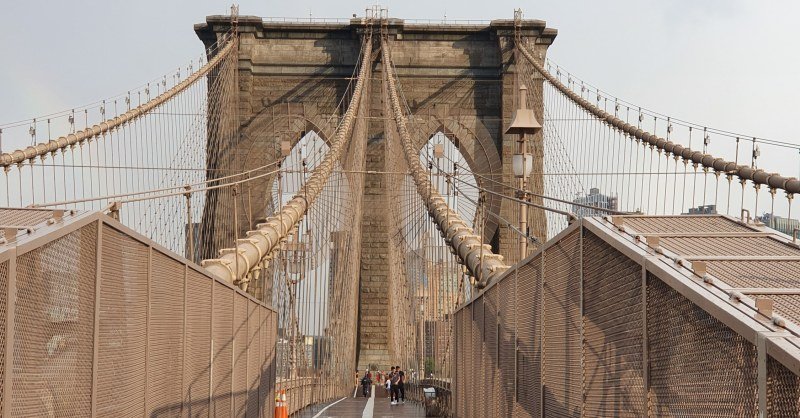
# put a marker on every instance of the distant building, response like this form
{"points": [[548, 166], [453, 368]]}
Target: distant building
{"points": [[780, 224], [703, 210], [595, 199]]}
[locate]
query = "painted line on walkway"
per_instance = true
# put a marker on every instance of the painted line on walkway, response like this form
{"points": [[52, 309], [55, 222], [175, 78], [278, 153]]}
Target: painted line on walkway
{"points": [[368, 410], [325, 408]]}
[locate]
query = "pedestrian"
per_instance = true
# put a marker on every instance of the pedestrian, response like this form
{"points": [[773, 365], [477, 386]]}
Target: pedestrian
{"points": [[389, 386], [401, 386], [366, 382], [396, 386]]}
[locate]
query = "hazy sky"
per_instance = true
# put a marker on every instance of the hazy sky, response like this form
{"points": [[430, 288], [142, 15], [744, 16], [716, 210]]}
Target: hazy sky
{"points": [[730, 64]]}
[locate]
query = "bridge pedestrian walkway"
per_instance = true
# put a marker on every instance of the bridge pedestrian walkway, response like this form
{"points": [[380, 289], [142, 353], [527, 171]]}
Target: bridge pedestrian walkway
{"points": [[375, 406]]}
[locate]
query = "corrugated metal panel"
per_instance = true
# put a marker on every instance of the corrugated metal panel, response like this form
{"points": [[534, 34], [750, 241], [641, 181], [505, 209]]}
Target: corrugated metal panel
{"points": [[698, 366], [240, 357], [786, 305], [612, 319], [697, 224], [196, 370], [165, 368], [727, 246], [756, 273], [783, 391], [561, 344], [506, 360], [528, 303], [253, 360], [221, 371], [54, 327], [3, 312], [123, 326], [490, 352]]}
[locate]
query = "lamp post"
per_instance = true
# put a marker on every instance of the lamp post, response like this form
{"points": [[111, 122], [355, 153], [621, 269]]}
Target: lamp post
{"points": [[523, 123]]}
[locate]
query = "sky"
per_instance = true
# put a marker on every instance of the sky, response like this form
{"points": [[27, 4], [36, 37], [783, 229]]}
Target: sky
{"points": [[730, 64]]}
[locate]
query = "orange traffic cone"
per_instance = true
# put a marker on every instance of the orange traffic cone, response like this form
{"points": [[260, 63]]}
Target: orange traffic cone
{"points": [[281, 408]]}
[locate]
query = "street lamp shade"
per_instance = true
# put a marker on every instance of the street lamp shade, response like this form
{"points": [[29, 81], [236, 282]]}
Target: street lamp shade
{"points": [[524, 121]]}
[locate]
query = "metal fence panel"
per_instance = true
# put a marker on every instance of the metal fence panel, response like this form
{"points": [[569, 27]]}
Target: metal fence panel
{"points": [[222, 363], [196, 370], [166, 337], [561, 344], [479, 382], [698, 366], [54, 322], [528, 367], [613, 333], [4, 277], [121, 375], [490, 353], [783, 390], [253, 360], [240, 357], [506, 352], [469, 372], [105, 324], [266, 379]]}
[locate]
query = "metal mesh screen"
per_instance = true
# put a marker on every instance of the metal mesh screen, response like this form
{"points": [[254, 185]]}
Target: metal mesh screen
{"points": [[123, 326], [606, 342], [783, 390], [490, 352], [479, 382], [729, 246], [266, 378], [165, 368], [196, 371], [253, 360], [613, 333], [561, 344], [240, 356], [3, 307], [54, 327], [469, 372], [222, 363], [529, 366], [506, 355], [697, 224], [156, 322], [698, 366]]}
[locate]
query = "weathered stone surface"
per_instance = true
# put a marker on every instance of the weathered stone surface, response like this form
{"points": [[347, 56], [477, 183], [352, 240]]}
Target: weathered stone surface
{"points": [[459, 80]]}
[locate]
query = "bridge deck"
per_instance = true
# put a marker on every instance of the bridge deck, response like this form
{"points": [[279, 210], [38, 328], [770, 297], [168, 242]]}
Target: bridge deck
{"points": [[376, 406]]}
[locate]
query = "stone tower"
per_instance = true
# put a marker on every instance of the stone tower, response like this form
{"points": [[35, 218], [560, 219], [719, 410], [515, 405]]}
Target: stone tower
{"points": [[457, 79]]}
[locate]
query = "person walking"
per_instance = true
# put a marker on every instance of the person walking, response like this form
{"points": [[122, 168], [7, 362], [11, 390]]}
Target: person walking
{"points": [[389, 386], [366, 383], [396, 386], [401, 386]]}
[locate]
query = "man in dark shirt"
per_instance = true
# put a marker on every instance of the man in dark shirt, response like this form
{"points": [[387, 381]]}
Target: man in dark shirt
{"points": [[401, 386]]}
